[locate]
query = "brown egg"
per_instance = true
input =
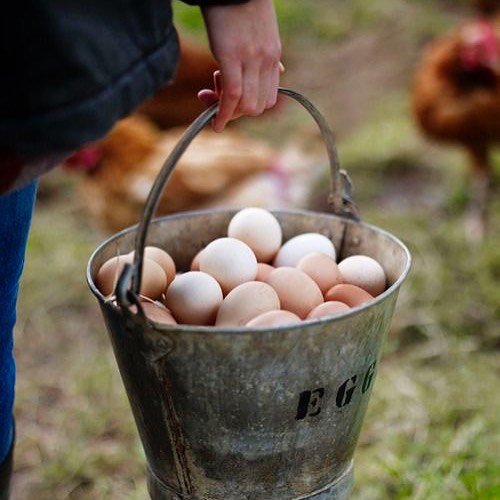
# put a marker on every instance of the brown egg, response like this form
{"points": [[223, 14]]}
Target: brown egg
{"points": [[109, 272], [245, 302], [297, 292], [161, 257], [365, 272], [328, 309], [263, 271], [153, 282], [157, 313], [351, 295], [194, 298], [274, 318], [195, 263], [322, 268]]}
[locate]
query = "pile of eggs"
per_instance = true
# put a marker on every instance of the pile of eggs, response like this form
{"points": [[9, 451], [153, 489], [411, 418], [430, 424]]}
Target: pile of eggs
{"points": [[251, 278]]}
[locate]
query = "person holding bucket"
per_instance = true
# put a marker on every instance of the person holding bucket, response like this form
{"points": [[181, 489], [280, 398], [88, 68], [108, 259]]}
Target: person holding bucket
{"points": [[72, 69]]}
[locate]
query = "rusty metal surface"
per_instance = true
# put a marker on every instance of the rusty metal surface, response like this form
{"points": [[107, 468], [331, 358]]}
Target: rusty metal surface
{"points": [[239, 414]]}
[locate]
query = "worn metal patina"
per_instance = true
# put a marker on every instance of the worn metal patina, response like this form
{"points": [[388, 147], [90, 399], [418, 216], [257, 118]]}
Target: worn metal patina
{"points": [[252, 414]]}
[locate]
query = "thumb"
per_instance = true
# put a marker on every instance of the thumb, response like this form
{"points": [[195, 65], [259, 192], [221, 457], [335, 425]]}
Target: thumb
{"points": [[208, 97]]}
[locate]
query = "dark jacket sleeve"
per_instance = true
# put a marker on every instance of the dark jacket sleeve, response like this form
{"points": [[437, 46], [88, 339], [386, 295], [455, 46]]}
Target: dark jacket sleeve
{"points": [[71, 69]]}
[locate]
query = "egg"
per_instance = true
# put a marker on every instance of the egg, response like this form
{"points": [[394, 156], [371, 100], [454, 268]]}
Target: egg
{"points": [[274, 318], [245, 302], [263, 271], [109, 272], [162, 258], [259, 229], [351, 295], [195, 263], [327, 309], [322, 268], [194, 298], [230, 261], [157, 313], [365, 272], [297, 292], [153, 281], [299, 246]]}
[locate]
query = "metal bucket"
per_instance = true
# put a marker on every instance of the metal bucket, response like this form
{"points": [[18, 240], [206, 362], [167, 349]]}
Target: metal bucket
{"points": [[234, 414]]}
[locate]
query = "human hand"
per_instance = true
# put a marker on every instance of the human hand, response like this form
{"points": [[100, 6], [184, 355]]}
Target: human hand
{"points": [[244, 39]]}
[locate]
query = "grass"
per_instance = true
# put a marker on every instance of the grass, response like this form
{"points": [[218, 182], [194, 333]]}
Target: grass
{"points": [[431, 431]]}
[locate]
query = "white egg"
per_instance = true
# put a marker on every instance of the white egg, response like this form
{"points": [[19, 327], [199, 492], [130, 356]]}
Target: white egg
{"points": [[365, 272], [259, 229], [299, 246], [230, 261], [194, 298]]}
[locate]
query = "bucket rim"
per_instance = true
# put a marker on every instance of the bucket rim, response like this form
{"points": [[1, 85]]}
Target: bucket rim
{"points": [[179, 328]]}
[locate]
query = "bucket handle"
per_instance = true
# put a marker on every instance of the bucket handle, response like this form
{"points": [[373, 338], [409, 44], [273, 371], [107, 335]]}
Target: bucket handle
{"points": [[339, 199]]}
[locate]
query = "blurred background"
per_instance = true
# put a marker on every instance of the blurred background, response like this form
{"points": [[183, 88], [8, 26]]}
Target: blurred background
{"points": [[431, 431]]}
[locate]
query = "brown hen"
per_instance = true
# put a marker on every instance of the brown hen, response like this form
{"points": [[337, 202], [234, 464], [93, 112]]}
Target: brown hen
{"points": [[456, 99], [217, 170]]}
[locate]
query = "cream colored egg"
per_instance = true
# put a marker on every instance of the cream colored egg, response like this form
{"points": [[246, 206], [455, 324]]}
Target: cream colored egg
{"points": [[263, 271], [299, 246], [259, 229], [194, 298], [245, 302], [153, 281], [322, 268], [230, 261], [328, 309], [365, 272], [297, 292], [351, 295], [274, 318]]}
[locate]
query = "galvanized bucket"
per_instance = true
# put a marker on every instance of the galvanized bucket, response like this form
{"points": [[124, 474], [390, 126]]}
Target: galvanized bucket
{"points": [[234, 414]]}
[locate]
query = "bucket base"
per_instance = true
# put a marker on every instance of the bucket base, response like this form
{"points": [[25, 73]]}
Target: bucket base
{"points": [[340, 489]]}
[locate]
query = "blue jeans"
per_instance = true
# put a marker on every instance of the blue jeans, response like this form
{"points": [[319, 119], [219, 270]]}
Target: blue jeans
{"points": [[15, 217]]}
